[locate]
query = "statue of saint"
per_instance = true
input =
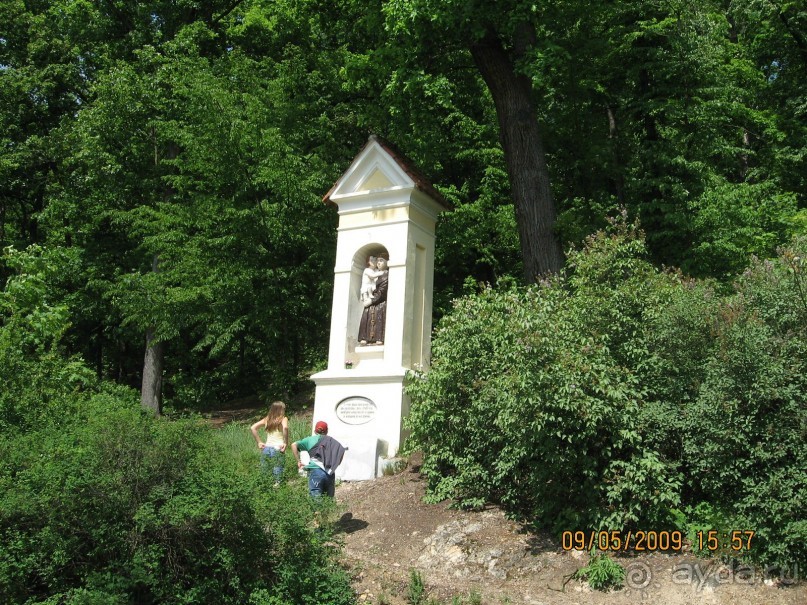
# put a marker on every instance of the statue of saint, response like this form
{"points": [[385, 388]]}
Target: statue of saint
{"points": [[374, 315]]}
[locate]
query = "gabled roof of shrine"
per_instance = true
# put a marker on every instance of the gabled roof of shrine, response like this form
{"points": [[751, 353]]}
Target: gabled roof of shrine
{"points": [[407, 166]]}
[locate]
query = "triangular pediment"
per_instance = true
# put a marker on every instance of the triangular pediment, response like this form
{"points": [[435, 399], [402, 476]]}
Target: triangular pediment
{"points": [[373, 170], [376, 180]]}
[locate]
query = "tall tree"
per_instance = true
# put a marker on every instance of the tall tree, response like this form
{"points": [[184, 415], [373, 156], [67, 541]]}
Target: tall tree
{"points": [[201, 136], [500, 37], [651, 105], [179, 162], [657, 107]]}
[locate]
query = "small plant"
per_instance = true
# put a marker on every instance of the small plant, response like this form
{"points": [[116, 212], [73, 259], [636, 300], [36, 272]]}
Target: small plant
{"points": [[601, 573], [393, 466], [474, 598], [416, 589]]}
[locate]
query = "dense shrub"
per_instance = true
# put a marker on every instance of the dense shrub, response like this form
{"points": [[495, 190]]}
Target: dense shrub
{"points": [[745, 438], [533, 397], [37, 379], [619, 395], [111, 505], [100, 503]]}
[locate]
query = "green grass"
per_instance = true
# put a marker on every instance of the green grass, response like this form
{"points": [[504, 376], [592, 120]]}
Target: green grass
{"points": [[238, 436], [299, 427], [237, 439]]}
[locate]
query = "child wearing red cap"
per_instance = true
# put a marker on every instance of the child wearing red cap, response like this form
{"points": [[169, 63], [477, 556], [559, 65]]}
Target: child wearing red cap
{"points": [[326, 455]]}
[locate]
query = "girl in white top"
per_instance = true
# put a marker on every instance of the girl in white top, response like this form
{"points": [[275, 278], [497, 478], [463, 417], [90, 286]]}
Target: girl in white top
{"points": [[274, 445]]}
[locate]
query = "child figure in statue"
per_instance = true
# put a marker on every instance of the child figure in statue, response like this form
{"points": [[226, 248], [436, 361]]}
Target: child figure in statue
{"points": [[374, 314], [369, 277]]}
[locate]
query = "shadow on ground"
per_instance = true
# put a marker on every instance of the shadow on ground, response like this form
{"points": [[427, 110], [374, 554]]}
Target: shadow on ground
{"points": [[347, 524]]}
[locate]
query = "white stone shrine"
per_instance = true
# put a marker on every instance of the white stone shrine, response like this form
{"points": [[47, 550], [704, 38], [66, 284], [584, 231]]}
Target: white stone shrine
{"points": [[386, 209]]}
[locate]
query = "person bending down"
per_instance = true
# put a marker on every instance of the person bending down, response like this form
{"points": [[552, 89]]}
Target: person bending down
{"points": [[326, 455]]}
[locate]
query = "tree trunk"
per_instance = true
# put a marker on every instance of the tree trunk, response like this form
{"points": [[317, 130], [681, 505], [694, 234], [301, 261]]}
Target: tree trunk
{"points": [[613, 137], [524, 154], [151, 390], [744, 159]]}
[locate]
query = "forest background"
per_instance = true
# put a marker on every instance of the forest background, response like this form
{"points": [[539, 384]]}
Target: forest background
{"points": [[164, 241]]}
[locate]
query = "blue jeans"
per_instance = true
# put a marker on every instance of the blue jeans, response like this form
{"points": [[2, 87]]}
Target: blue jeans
{"points": [[320, 482], [274, 457]]}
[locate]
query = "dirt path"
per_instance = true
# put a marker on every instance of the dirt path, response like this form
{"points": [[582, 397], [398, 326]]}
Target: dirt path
{"points": [[482, 557]]}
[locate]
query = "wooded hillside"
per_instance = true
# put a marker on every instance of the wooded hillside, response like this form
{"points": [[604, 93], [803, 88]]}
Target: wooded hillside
{"points": [[167, 158], [165, 246]]}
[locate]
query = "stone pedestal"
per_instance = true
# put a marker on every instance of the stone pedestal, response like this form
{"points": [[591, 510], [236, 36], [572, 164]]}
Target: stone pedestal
{"points": [[388, 209]]}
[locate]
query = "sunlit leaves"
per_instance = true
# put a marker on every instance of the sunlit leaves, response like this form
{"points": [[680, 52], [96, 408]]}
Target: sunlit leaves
{"points": [[617, 395]]}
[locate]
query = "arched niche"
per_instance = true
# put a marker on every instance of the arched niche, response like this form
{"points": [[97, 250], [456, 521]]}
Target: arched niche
{"points": [[356, 353]]}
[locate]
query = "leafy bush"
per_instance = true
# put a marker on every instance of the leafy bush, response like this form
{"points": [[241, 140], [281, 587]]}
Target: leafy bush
{"points": [[101, 503], [745, 441], [111, 505], [619, 395], [533, 396]]}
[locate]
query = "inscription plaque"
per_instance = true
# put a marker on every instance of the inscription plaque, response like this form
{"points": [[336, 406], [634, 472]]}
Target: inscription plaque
{"points": [[355, 410]]}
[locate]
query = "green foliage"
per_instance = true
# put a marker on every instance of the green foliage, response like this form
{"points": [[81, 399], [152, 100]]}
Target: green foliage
{"points": [[185, 172], [536, 397], [38, 381], [700, 519], [168, 161], [745, 433], [416, 589], [733, 222], [30, 315], [618, 395], [668, 109], [119, 506], [204, 137], [153, 130], [601, 572]]}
